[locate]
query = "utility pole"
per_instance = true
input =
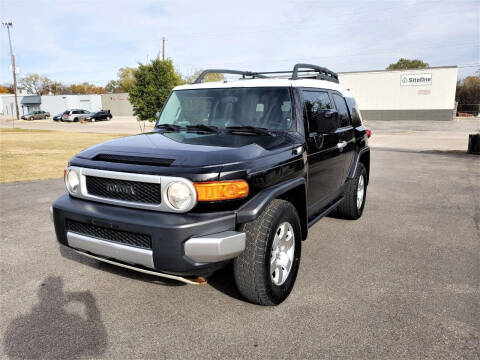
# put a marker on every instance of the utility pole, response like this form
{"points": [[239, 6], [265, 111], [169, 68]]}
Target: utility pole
{"points": [[8, 25], [163, 47]]}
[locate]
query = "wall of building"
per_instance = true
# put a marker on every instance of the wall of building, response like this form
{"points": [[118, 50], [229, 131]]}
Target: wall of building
{"points": [[118, 104], [54, 104], [417, 94], [7, 105]]}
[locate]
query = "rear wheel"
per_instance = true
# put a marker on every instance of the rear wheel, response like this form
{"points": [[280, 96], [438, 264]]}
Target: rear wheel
{"points": [[355, 195], [266, 271]]}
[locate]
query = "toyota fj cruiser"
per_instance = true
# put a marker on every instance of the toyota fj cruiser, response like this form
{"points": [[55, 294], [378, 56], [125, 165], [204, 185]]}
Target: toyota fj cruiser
{"points": [[233, 171]]}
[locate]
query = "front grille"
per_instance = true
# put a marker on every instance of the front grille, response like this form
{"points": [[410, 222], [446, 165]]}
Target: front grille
{"points": [[103, 233], [133, 191]]}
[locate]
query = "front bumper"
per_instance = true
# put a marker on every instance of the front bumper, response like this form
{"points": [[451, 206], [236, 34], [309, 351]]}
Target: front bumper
{"points": [[181, 244]]}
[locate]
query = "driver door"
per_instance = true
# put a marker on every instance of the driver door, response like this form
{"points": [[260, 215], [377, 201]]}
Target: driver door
{"points": [[326, 164]]}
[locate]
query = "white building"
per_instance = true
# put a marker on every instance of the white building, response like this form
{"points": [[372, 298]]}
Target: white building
{"points": [[416, 94], [54, 104]]}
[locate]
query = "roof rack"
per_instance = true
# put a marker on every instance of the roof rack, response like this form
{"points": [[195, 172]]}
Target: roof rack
{"points": [[319, 73], [225, 71]]}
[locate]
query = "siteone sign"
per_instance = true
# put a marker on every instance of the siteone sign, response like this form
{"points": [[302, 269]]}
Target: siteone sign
{"points": [[415, 79]]}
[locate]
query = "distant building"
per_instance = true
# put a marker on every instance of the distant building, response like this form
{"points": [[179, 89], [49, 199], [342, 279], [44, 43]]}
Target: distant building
{"points": [[54, 104], [118, 104], [415, 94]]}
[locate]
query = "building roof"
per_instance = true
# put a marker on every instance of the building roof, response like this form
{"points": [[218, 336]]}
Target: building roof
{"points": [[27, 100], [402, 70]]}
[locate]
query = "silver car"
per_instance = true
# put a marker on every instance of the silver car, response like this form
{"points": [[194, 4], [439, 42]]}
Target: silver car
{"points": [[74, 115], [34, 115]]}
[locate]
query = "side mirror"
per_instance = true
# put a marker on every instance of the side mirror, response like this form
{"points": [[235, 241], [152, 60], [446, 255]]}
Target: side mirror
{"points": [[328, 122], [328, 114]]}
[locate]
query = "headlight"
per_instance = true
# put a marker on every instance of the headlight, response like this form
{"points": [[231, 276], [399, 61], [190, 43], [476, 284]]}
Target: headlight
{"points": [[72, 181], [179, 195]]}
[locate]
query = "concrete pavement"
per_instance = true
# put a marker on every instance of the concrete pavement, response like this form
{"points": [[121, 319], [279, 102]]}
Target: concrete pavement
{"points": [[400, 283]]}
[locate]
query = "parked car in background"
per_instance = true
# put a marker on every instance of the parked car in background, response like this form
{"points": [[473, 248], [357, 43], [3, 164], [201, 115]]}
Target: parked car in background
{"points": [[74, 115], [99, 115], [57, 117], [34, 115]]}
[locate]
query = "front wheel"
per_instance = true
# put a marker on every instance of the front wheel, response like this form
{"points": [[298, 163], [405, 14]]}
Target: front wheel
{"points": [[266, 271]]}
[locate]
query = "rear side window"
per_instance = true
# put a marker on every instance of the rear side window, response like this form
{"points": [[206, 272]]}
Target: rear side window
{"points": [[343, 116], [354, 111], [315, 103], [75, 112]]}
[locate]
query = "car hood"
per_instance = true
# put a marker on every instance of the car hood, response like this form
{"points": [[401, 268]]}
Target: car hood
{"points": [[191, 149]]}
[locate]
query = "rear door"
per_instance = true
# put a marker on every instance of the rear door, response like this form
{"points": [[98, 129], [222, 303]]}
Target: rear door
{"points": [[326, 164], [346, 132]]}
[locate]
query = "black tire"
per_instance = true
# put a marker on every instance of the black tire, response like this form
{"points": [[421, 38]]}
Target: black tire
{"points": [[75, 120], [348, 209], [252, 268]]}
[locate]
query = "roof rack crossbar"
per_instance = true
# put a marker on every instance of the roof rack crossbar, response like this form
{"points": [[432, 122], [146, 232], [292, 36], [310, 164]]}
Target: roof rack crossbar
{"points": [[323, 73], [226, 71]]}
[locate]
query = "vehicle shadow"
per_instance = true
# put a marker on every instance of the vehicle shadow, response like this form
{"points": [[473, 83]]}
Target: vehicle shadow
{"points": [[223, 281], [70, 254], [50, 331]]}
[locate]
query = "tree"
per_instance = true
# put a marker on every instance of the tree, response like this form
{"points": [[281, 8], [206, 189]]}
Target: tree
{"points": [[152, 85], [126, 78], [468, 95], [86, 88], [407, 64], [56, 88], [208, 78], [113, 86], [4, 90], [35, 84]]}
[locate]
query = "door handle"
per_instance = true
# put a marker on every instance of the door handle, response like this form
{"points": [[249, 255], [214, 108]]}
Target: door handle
{"points": [[342, 144]]}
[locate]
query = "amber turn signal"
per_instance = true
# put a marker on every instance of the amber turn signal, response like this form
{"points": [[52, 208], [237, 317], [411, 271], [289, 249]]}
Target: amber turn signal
{"points": [[221, 190]]}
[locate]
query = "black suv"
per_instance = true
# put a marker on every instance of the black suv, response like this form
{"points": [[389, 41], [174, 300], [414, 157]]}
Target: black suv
{"points": [[233, 171], [99, 115]]}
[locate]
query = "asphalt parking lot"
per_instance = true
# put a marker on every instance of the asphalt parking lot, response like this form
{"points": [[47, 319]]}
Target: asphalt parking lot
{"points": [[403, 282]]}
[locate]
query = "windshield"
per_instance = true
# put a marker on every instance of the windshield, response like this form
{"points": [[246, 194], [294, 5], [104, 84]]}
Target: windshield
{"points": [[269, 108]]}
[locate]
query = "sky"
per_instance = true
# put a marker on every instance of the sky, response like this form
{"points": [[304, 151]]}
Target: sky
{"points": [[84, 40]]}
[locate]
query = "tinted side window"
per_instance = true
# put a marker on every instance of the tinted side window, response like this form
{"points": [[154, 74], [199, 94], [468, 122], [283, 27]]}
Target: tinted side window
{"points": [[354, 111], [315, 103], [343, 116], [75, 112]]}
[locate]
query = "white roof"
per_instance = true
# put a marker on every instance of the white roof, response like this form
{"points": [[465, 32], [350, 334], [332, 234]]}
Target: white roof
{"points": [[310, 83]]}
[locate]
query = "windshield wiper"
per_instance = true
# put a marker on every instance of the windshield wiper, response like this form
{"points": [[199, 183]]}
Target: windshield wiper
{"points": [[203, 128], [248, 130], [169, 127]]}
